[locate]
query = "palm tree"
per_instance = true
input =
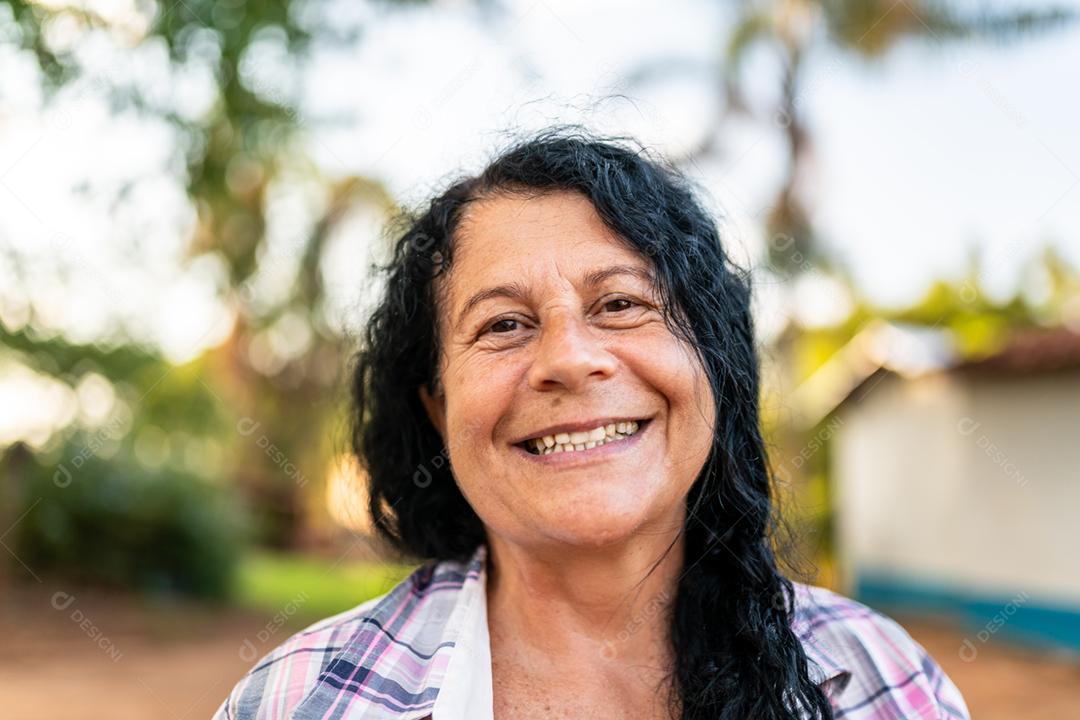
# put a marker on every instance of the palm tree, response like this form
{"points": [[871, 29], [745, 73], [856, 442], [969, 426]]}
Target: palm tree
{"points": [[867, 29]]}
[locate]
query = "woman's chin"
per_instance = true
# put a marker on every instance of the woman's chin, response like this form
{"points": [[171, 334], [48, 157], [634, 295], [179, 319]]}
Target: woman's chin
{"points": [[596, 530]]}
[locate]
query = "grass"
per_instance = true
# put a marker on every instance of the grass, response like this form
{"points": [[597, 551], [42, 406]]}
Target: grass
{"points": [[306, 589]]}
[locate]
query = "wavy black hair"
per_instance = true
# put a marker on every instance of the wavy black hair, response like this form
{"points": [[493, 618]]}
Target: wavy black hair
{"points": [[737, 655]]}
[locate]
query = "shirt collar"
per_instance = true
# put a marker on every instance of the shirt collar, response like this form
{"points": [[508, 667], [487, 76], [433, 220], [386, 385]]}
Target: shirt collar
{"points": [[395, 662], [823, 665], [424, 650]]}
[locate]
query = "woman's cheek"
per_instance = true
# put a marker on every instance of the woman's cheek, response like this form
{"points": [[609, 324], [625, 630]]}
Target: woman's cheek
{"points": [[480, 391]]}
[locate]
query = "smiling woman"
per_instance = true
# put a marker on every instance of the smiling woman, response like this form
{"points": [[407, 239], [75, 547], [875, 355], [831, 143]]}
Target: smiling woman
{"points": [[568, 331]]}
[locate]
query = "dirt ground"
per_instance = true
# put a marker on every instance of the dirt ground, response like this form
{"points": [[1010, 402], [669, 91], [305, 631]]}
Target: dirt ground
{"points": [[85, 656]]}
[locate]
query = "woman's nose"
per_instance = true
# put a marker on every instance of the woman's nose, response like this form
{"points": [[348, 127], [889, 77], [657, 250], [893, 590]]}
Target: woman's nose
{"points": [[569, 354]]}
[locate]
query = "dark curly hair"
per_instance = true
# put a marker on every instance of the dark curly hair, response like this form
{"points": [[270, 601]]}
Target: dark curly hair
{"points": [[737, 655]]}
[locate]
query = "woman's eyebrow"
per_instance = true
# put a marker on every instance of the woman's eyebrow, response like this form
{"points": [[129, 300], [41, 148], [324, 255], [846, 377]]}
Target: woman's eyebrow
{"points": [[595, 277], [513, 290]]}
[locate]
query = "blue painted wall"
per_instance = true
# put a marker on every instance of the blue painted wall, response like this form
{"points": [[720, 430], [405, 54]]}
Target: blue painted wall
{"points": [[1020, 618]]}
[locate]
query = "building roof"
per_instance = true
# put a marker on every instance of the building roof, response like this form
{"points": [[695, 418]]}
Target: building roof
{"points": [[1032, 350], [890, 349]]}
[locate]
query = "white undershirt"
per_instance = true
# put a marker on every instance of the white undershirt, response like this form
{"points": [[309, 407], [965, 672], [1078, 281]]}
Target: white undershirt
{"points": [[466, 690]]}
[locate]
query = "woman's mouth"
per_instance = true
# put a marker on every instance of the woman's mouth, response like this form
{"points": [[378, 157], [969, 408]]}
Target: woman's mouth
{"points": [[583, 440]]}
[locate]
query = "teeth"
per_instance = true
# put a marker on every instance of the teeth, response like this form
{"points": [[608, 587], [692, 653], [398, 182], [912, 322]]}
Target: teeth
{"points": [[575, 441]]}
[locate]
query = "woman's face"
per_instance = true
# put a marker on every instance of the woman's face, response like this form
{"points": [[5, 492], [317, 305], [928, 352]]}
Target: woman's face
{"points": [[551, 327]]}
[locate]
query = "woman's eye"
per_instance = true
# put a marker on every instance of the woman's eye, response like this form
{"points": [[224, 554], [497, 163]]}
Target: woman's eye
{"points": [[502, 326], [618, 304]]}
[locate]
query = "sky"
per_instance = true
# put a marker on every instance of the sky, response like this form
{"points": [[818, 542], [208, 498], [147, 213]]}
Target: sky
{"points": [[919, 159]]}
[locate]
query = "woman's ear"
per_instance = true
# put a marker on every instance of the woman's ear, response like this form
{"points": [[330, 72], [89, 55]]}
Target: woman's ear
{"points": [[435, 405]]}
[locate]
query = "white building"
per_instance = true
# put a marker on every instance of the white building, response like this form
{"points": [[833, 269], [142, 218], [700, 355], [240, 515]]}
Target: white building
{"points": [[957, 485]]}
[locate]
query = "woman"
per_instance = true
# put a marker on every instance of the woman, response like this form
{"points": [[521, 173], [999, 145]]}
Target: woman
{"points": [[556, 404]]}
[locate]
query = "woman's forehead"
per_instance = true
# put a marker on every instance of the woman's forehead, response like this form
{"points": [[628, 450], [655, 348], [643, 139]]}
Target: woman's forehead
{"points": [[529, 216], [516, 232], [509, 243]]}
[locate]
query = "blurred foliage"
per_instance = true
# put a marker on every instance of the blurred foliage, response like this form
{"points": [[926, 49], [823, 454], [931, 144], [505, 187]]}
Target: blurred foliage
{"points": [[232, 153], [123, 525], [796, 31], [51, 353], [229, 158], [163, 417], [316, 587], [976, 322]]}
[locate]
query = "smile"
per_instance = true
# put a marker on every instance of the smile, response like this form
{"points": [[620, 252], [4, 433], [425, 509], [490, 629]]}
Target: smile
{"points": [[564, 442]]}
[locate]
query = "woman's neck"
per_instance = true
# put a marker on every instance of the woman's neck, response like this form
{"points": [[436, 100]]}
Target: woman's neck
{"points": [[606, 603]]}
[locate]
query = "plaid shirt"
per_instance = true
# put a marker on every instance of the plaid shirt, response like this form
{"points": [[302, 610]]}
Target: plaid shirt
{"points": [[422, 651]]}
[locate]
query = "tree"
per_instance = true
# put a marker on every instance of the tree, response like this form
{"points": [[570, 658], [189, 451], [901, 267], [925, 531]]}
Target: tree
{"points": [[867, 29], [230, 157]]}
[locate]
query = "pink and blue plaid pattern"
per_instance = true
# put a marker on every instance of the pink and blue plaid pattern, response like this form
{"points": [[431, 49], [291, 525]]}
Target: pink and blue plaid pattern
{"points": [[388, 658]]}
